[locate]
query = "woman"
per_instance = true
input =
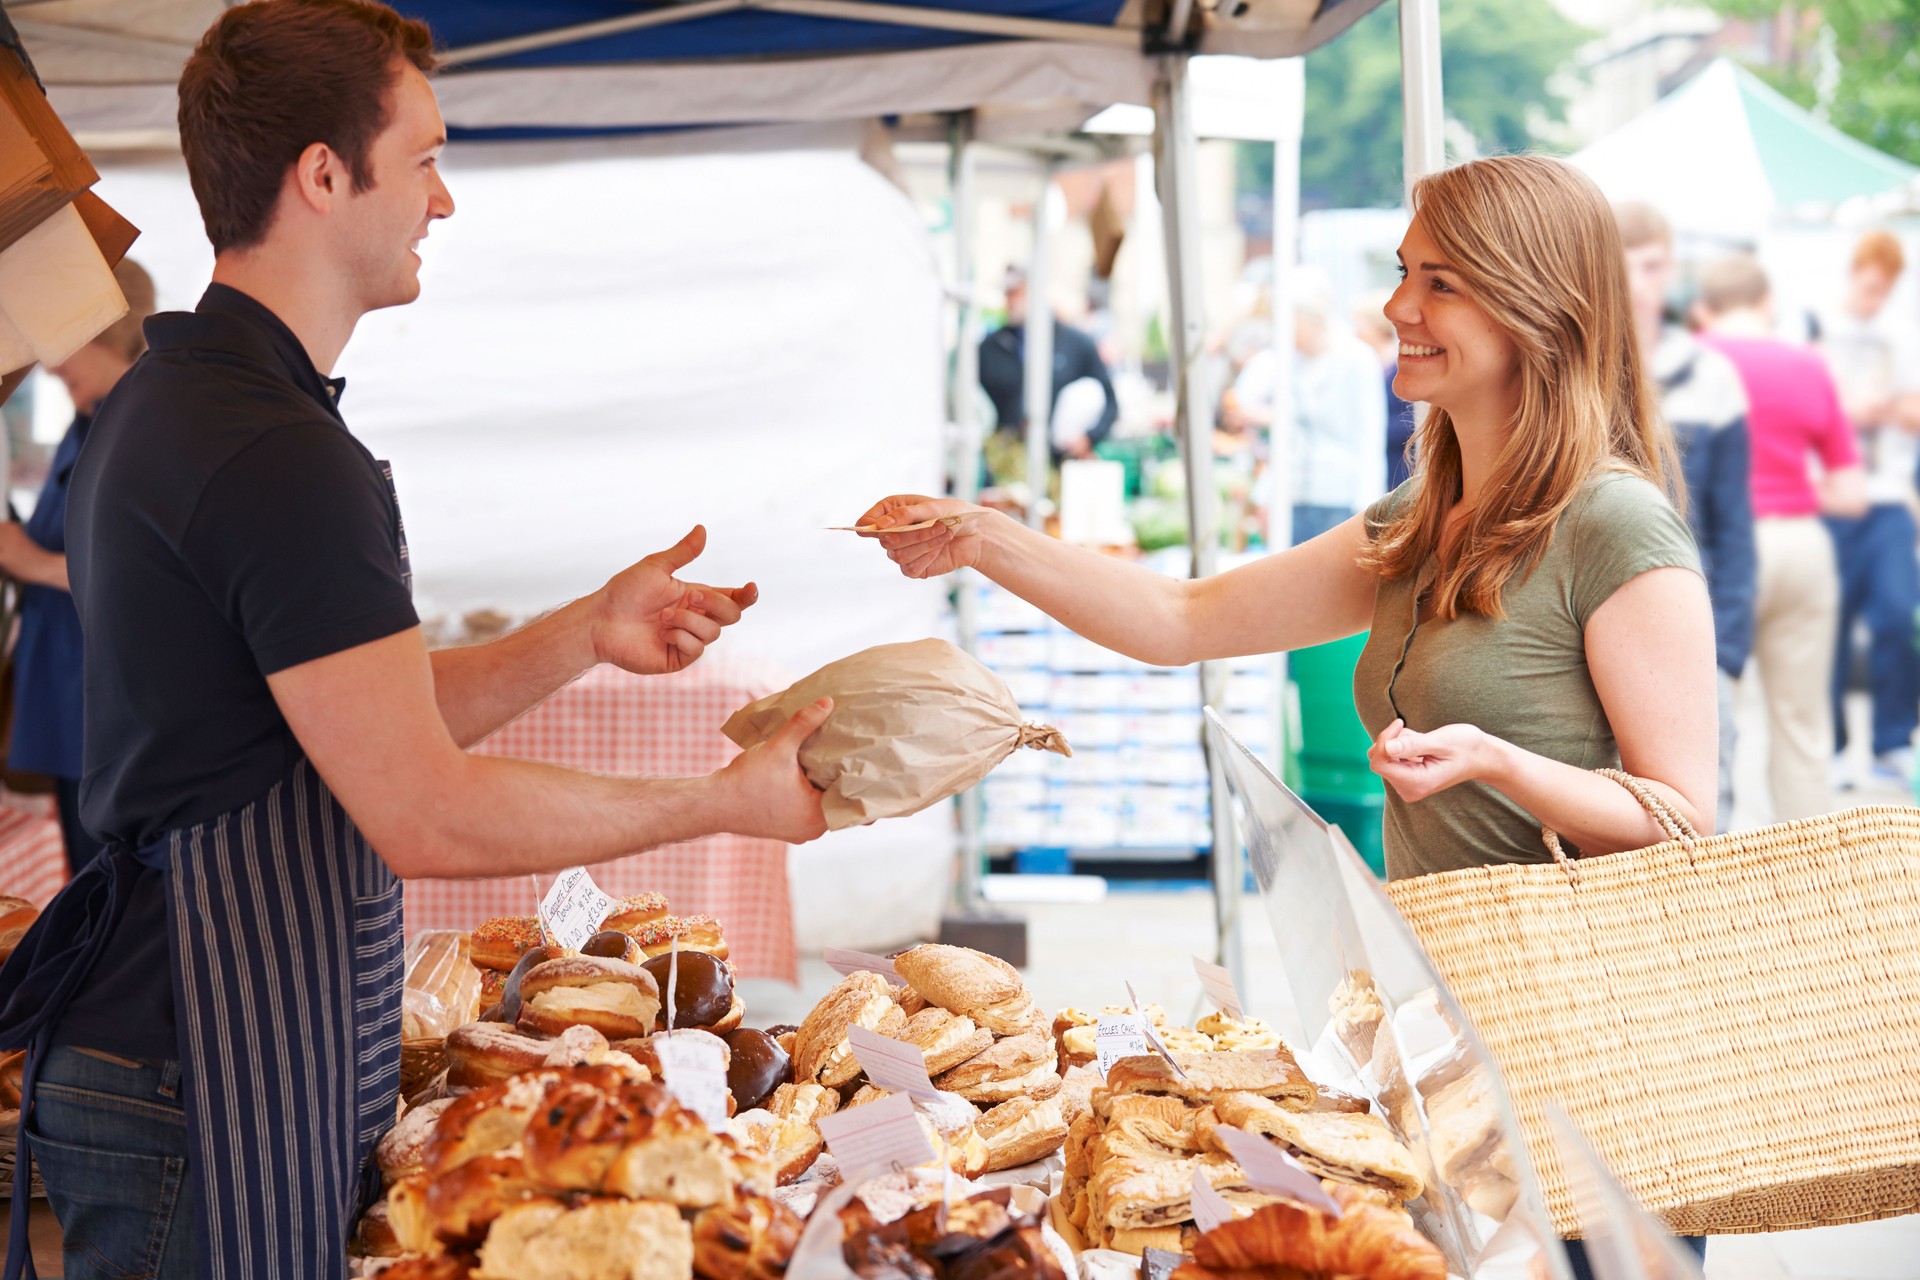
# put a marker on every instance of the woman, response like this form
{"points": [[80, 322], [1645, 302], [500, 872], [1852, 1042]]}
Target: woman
{"points": [[1535, 602], [46, 667]]}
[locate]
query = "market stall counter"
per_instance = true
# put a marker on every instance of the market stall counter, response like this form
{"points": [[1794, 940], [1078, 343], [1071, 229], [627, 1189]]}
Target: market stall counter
{"points": [[613, 722]]}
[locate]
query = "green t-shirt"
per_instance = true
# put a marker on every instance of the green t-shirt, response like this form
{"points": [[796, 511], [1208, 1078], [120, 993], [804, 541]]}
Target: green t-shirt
{"points": [[1523, 678]]}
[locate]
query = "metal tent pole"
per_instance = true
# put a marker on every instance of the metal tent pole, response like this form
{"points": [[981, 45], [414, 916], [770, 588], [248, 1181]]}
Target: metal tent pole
{"points": [[1424, 114], [963, 397], [1175, 149], [1037, 376]]}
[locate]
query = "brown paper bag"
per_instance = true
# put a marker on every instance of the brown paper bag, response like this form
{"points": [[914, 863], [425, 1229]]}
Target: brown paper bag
{"points": [[912, 724]]}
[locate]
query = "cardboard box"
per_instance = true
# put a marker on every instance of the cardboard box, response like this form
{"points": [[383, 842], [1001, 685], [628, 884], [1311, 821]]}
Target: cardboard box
{"points": [[42, 169]]}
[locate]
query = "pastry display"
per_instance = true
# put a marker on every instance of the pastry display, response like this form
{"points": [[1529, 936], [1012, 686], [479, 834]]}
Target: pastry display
{"points": [[702, 993], [563, 1172], [1131, 1156], [559, 1154], [982, 987], [750, 1238], [756, 1066], [785, 1131], [689, 933], [611, 944], [1355, 1147], [951, 1124], [442, 988], [1011, 1067], [1365, 1242], [1202, 1077], [402, 1153], [16, 917], [12, 1067], [980, 1238], [631, 913], [600, 1240], [498, 944], [1022, 1130], [617, 999], [821, 1051], [946, 1039]]}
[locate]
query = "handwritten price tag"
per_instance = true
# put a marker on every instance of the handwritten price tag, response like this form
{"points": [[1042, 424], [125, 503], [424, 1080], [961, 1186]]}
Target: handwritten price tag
{"points": [[880, 1137], [1273, 1171], [695, 1072], [1218, 984], [574, 908], [894, 1065], [1153, 1037], [1117, 1036], [844, 962], [1210, 1208]]}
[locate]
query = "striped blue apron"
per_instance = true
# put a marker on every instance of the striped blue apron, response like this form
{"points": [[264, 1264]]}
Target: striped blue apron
{"points": [[286, 953]]}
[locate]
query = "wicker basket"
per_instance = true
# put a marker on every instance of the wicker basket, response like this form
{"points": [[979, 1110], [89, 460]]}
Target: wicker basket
{"points": [[1735, 1022], [9, 1153], [420, 1061]]}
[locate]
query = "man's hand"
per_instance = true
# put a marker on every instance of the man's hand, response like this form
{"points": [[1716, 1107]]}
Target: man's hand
{"points": [[1417, 765], [772, 797], [647, 621]]}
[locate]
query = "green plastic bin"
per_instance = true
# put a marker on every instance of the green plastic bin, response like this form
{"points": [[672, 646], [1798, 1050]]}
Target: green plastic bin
{"points": [[1332, 750]]}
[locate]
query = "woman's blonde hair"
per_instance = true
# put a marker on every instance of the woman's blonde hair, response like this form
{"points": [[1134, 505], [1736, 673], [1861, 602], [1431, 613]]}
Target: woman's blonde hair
{"points": [[1536, 246]]}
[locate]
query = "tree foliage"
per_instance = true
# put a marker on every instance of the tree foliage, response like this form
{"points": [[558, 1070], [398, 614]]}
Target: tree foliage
{"points": [[1497, 61], [1866, 81]]}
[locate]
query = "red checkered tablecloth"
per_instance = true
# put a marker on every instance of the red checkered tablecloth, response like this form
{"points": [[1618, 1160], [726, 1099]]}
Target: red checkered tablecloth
{"points": [[608, 722], [33, 860], [613, 722]]}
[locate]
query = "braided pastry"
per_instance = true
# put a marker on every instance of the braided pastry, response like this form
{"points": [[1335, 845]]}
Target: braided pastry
{"points": [[750, 1239]]}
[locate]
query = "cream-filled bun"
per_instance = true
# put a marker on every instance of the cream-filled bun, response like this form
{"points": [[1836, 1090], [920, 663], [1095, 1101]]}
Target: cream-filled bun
{"points": [[617, 999]]}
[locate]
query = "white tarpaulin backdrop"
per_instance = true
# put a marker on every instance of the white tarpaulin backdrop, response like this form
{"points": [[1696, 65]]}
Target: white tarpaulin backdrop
{"points": [[614, 344]]}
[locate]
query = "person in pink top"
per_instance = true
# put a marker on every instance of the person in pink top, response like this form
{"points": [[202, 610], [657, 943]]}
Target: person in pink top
{"points": [[1805, 464]]}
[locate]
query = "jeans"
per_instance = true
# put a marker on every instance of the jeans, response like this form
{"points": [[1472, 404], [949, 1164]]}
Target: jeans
{"points": [[1583, 1270], [1310, 520], [1880, 581], [110, 1139], [1729, 742]]}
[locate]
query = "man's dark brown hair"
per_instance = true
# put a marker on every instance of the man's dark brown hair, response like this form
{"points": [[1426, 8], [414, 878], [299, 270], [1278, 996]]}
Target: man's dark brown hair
{"points": [[272, 78]]}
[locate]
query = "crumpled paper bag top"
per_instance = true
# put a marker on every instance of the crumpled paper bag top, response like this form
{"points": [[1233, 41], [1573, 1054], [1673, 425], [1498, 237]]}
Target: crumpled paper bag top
{"points": [[912, 724]]}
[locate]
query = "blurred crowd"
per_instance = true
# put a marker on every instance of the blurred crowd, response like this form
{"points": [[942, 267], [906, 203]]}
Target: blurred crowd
{"points": [[1798, 443]]}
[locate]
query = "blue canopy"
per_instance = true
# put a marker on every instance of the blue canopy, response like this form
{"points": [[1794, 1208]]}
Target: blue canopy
{"points": [[557, 67]]}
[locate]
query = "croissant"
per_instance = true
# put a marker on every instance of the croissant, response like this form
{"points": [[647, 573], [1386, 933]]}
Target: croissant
{"points": [[1366, 1242]]}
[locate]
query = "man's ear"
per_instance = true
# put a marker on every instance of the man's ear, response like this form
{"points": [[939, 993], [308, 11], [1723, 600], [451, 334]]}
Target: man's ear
{"points": [[319, 177]]}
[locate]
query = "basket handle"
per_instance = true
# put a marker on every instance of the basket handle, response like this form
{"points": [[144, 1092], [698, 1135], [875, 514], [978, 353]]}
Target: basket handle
{"points": [[1670, 820]]}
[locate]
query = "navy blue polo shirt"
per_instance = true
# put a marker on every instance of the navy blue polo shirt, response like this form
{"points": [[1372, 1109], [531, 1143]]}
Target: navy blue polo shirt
{"points": [[46, 658], [223, 525]]}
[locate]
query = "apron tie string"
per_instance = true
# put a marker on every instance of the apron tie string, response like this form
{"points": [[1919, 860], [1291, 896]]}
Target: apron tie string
{"points": [[36, 985]]}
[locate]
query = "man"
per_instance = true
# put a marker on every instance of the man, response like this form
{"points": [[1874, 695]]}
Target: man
{"points": [[1793, 412], [1084, 406], [212, 1009], [1706, 407], [1876, 362]]}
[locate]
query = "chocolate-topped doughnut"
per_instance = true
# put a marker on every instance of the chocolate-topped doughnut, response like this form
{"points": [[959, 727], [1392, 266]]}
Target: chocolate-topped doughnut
{"points": [[703, 988], [611, 944], [510, 993], [757, 1067]]}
